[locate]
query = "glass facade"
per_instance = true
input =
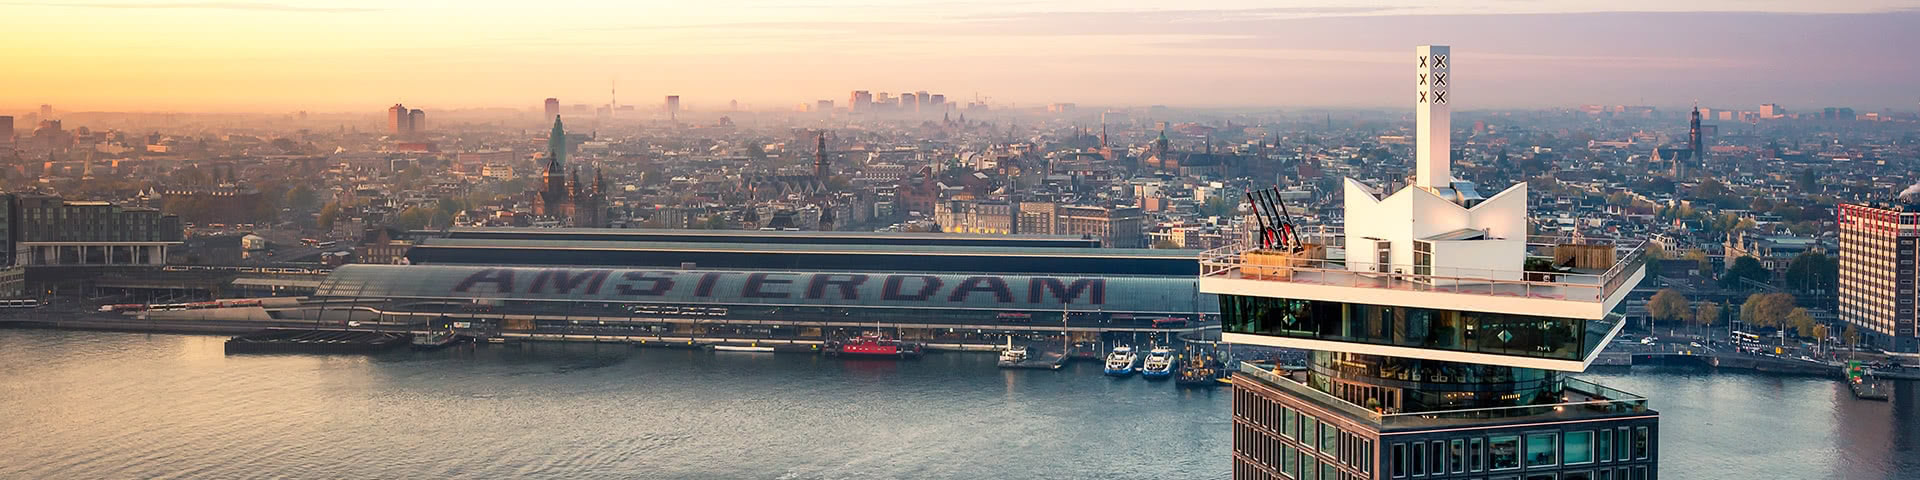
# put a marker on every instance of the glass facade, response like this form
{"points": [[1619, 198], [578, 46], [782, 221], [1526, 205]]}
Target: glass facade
{"points": [[1476, 332], [1394, 385]]}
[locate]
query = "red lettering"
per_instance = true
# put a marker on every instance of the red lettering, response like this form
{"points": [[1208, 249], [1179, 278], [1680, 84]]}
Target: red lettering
{"points": [[849, 286], [656, 286], [757, 281], [891, 289], [501, 278], [993, 285]]}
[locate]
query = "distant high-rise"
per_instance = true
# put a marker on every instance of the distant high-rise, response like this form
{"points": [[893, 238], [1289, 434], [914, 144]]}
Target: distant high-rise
{"points": [[1877, 252], [1693, 137], [416, 122], [6, 128], [860, 101], [823, 106], [938, 101], [46, 111], [553, 108], [399, 120], [910, 102], [673, 107]]}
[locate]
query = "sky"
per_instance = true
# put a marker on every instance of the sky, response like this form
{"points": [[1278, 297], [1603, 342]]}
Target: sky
{"points": [[361, 55]]}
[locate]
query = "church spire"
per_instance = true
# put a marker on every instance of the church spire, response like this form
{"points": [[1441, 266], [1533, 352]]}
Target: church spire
{"points": [[556, 145]]}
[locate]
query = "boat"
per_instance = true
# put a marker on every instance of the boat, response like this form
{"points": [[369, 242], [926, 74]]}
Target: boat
{"points": [[1159, 364], [742, 348], [1013, 357], [1120, 363], [874, 346], [1201, 372], [435, 341]]}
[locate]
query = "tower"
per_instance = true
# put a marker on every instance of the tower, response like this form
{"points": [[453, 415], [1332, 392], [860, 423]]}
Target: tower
{"points": [[416, 121], [673, 108], [1693, 137], [556, 155], [1432, 117], [1435, 350], [399, 120], [553, 107], [820, 158]]}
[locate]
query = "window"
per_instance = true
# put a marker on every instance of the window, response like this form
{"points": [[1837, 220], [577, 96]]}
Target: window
{"points": [[1308, 425], [1290, 461], [1309, 466], [1419, 460], [1436, 457], [1543, 450], [1397, 461], [1620, 438], [1603, 474], [1474, 454], [1640, 443], [1580, 475], [1603, 443], [1329, 438], [1578, 448], [1327, 472], [1286, 423], [1503, 452], [1540, 476], [1457, 455]]}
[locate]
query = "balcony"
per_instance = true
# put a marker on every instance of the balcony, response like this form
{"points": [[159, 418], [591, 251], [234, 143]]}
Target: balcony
{"points": [[1580, 399], [1322, 272]]}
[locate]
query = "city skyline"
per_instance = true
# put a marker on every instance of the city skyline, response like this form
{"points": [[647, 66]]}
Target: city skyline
{"points": [[347, 56]]}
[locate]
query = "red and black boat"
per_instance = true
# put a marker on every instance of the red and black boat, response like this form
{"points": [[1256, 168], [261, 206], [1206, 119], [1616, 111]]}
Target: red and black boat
{"points": [[873, 346]]}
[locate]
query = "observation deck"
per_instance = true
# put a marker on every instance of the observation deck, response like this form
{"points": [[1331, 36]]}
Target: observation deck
{"points": [[1579, 399], [1592, 276]]}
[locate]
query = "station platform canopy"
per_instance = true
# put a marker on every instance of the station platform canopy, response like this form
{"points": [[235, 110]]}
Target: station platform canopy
{"points": [[808, 257]]}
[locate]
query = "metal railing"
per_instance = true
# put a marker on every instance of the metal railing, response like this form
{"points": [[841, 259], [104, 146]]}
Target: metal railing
{"points": [[1595, 399], [1230, 260]]}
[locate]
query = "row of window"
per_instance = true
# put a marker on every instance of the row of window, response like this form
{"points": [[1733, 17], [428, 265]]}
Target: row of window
{"points": [[1505, 452], [1300, 436], [1267, 454]]}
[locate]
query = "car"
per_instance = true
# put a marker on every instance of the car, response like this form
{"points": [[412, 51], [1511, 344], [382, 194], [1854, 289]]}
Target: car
{"points": [[1646, 341], [1694, 344]]}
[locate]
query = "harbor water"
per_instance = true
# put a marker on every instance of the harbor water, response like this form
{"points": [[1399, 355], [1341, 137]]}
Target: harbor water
{"points": [[114, 405]]}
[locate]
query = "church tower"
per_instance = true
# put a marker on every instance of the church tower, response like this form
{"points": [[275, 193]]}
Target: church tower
{"points": [[820, 158]]}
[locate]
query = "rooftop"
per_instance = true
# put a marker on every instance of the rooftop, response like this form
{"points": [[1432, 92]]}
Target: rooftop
{"points": [[1580, 399]]}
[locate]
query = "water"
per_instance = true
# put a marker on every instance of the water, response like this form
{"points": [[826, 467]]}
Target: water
{"points": [[106, 405]]}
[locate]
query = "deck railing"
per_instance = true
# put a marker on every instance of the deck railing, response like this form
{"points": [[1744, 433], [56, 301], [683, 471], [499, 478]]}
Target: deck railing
{"points": [[1580, 398]]}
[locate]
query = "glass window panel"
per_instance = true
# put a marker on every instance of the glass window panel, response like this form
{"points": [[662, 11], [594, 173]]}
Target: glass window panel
{"points": [[1579, 448], [1397, 461], [1308, 425], [1436, 457], [1457, 455], [1474, 454], [1543, 450], [1286, 423], [1327, 472], [1540, 476], [1640, 443], [1329, 438], [1288, 457], [1603, 445], [1503, 452], [1419, 460], [1580, 475]]}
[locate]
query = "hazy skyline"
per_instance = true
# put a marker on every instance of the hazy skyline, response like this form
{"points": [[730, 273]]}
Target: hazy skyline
{"points": [[362, 55]]}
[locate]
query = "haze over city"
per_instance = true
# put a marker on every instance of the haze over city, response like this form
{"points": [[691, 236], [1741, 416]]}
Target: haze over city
{"points": [[243, 56]]}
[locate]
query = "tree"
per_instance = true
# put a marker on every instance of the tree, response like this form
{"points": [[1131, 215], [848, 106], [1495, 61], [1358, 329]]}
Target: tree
{"points": [[1667, 305], [1767, 310], [1700, 256], [1744, 268], [329, 214], [1801, 321], [1707, 314], [1850, 335], [1812, 271]]}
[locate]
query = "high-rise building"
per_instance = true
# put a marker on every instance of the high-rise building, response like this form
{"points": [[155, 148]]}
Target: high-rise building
{"points": [[416, 122], [1435, 353], [6, 128], [939, 101], [399, 120], [910, 102], [552, 108], [46, 111], [860, 101], [673, 107], [1877, 272]]}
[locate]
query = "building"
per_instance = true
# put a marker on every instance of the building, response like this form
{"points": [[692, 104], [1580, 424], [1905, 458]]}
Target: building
{"points": [[562, 197], [552, 108], [416, 121], [1877, 273], [1119, 227], [1435, 353], [860, 101], [976, 216], [210, 205], [399, 120], [673, 107], [6, 129], [50, 231]]}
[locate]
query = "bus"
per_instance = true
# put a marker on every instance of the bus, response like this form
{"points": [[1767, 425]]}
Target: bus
{"points": [[1169, 322], [19, 303], [1740, 337]]}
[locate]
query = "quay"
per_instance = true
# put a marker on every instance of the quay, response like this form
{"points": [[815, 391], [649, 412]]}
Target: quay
{"points": [[316, 341]]}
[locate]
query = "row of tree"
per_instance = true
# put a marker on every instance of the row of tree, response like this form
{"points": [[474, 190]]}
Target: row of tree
{"points": [[1776, 311]]}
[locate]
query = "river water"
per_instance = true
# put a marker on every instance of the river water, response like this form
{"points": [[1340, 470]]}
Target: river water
{"points": [[111, 405]]}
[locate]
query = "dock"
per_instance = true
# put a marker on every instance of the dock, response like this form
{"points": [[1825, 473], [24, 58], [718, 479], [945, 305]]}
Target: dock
{"points": [[1869, 388], [316, 341], [1041, 361]]}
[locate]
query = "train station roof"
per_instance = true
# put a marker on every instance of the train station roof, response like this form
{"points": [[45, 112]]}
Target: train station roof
{"points": [[836, 257], [1078, 293]]}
